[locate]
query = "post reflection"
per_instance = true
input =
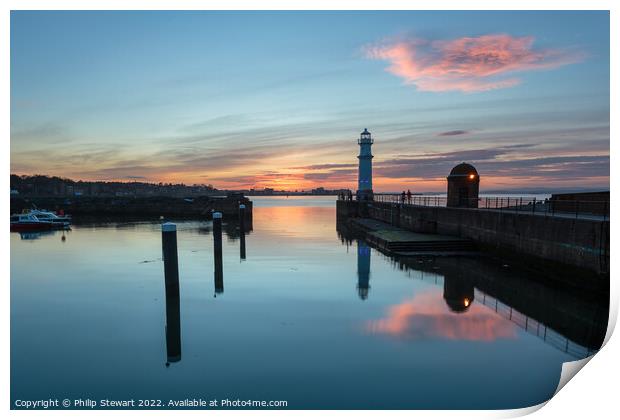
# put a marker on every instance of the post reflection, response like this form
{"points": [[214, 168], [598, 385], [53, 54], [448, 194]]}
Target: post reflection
{"points": [[363, 269], [218, 272], [173, 329], [218, 280], [242, 245]]}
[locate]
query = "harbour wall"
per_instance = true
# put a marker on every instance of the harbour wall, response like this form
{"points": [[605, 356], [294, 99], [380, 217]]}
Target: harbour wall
{"points": [[147, 207], [579, 243]]}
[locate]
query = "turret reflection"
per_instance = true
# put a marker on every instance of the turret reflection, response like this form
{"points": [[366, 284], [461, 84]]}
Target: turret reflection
{"points": [[363, 269], [458, 293]]}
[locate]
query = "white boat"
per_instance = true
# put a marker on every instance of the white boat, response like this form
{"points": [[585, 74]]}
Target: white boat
{"points": [[51, 217], [28, 223]]}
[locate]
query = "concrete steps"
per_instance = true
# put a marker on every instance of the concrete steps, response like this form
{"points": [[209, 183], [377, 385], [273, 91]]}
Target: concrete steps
{"points": [[394, 240]]}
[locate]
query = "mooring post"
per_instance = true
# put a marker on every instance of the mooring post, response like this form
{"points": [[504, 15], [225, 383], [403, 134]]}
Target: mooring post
{"points": [[171, 279], [242, 217], [217, 252], [170, 257]]}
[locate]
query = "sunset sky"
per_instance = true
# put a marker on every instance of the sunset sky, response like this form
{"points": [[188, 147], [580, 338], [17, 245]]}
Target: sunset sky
{"points": [[278, 99]]}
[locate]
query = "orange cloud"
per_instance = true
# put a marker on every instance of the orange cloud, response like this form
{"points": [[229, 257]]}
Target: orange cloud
{"points": [[468, 64], [427, 316]]}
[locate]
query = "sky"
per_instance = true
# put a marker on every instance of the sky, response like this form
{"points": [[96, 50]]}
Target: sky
{"points": [[278, 99]]}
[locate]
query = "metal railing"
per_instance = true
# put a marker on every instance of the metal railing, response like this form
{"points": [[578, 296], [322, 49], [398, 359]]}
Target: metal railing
{"points": [[534, 327], [561, 208]]}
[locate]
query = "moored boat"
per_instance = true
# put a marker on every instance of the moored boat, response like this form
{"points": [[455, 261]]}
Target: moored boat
{"points": [[58, 221]]}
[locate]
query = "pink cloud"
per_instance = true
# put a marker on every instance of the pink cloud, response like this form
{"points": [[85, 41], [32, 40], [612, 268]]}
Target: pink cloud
{"points": [[468, 64]]}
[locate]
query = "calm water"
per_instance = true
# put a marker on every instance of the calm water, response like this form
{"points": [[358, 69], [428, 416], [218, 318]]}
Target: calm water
{"points": [[312, 316]]}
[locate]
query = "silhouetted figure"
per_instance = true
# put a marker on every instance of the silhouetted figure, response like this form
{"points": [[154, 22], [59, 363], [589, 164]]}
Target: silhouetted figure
{"points": [[408, 196], [402, 197]]}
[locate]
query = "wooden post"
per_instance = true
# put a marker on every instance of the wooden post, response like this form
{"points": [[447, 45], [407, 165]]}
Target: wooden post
{"points": [[171, 278], [242, 231], [242, 218], [217, 253], [170, 257]]}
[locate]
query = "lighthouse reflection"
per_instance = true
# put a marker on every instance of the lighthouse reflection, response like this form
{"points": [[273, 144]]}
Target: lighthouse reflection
{"points": [[363, 269]]}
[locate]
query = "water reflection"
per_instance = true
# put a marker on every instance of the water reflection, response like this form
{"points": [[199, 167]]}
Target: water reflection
{"points": [[242, 246], [173, 329], [363, 269], [458, 293], [424, 316], [32, 236], [299, 286], [218, 280], [479, 296]]}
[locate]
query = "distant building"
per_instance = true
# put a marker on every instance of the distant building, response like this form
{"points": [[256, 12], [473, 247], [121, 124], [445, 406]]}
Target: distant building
{"points": [[463, 186], [581, 203]]}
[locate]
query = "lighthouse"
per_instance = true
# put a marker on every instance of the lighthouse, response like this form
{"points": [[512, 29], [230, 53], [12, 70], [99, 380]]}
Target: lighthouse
{"points": [[364, 180]]}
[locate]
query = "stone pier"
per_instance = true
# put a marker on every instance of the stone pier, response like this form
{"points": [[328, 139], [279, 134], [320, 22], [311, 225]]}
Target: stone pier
{"points": [[576, 243]]}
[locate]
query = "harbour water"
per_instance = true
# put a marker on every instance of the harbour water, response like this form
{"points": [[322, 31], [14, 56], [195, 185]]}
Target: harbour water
{"points": [[312, 316]]}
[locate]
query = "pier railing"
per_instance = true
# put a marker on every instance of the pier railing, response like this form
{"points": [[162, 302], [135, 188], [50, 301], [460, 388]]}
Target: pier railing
{"points": [[560, 208], [534, 327]]}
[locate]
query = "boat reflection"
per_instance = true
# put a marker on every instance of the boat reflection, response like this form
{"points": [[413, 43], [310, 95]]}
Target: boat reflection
{"points": [[35, 235]]}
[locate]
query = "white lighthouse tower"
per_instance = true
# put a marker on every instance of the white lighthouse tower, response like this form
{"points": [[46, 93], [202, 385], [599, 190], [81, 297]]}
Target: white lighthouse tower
{"points": [[364, 180]]}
